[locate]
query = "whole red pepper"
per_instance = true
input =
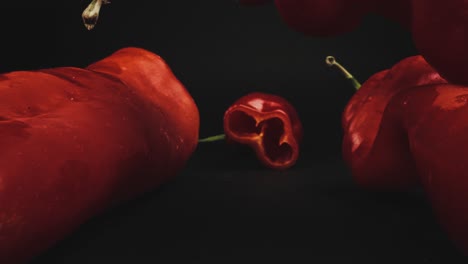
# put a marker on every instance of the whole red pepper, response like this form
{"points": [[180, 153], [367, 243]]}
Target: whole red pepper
{"points": [[269, 124], [440, 33], [381, 163], [422, 131], [78, 141], [433, 120]]}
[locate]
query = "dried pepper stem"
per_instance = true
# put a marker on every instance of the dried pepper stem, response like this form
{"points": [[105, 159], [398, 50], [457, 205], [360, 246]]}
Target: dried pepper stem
{"points": [[331, 61], [213, 138], [91, 13]]}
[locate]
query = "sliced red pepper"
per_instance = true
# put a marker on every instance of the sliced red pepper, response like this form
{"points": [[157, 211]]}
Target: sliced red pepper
{"points": [[267, 123]]}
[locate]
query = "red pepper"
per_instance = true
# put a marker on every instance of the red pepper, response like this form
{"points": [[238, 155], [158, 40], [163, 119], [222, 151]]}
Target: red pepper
{"points": [[440, 33], [322, 17], [267, 123], [385, 163], [441, 153], [433, 120], [399, 11], [78, 141], [419, 130]]}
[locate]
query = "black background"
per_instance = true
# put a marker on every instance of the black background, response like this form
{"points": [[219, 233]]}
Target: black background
{"points": [[224, 207]]}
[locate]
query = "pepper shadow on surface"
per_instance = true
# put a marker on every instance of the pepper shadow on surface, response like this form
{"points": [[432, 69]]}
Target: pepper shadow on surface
{"points": [[310, 213]]}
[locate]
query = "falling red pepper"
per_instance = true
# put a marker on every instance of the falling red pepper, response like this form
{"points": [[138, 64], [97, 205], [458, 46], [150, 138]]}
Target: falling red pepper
{"points": [[439, 28], [267, 123], [322, 17], [440, 33], [381, 163], [78, 141], [399, 11]]}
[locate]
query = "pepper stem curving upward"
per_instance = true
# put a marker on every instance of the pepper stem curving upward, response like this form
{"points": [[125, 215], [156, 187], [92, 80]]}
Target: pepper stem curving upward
{"points": [[212, 138], [90, 15], [331, 61]]}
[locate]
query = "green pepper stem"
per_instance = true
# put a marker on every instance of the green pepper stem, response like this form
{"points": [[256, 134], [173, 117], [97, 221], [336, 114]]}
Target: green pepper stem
{"points": [[212, 138], [90, 15], [331, 61]]}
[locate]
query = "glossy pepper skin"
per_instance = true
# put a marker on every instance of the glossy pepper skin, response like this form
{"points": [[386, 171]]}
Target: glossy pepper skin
{"points": [[440, 33], [380, 160], [433, 119], [78, 141], [267, 123]]}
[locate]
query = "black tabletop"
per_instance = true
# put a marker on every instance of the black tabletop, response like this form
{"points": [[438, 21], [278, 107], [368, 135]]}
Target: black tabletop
{"points": [[225, 208]]}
